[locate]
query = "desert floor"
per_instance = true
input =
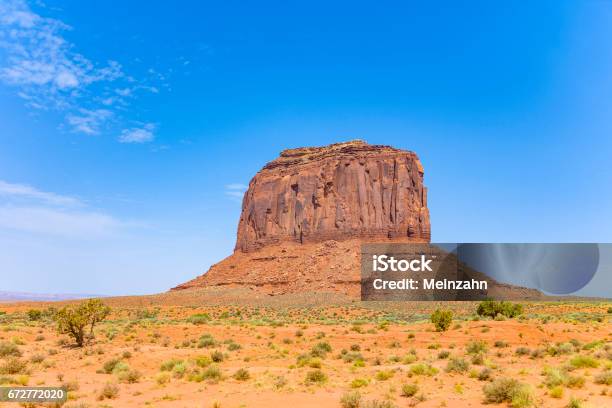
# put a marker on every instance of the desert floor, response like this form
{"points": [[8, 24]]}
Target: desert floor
{"points": [[207, 349]]}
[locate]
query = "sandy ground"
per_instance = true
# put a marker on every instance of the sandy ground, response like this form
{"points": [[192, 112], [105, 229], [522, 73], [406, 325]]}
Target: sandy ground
{"points": [[270, 338]]}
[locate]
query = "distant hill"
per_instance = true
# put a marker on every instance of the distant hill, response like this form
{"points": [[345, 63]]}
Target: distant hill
{"points": [[42, 297]]}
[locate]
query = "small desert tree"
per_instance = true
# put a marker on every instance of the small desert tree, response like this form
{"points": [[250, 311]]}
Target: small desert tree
{"points": [[74, 320], [442, 319]]}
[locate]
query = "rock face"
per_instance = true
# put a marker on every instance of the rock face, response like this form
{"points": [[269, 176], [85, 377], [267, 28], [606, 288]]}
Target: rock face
{"points": [[342, 191]]}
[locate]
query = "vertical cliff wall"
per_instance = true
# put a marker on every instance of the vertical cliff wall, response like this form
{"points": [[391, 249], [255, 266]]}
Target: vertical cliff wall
{"points": [[341, 191]]}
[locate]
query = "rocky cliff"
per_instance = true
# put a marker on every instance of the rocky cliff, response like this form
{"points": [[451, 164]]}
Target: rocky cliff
{"points": [[336, 192]]}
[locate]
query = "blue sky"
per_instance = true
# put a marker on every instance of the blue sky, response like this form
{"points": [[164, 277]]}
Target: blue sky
{"points": [[127, 131]]}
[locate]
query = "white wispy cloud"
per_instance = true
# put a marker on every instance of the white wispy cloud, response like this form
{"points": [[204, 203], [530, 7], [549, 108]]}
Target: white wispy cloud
{"points": [[26, 209], [89, 121], [50, 75], [14, 190], [138, 135], [235, 191]]}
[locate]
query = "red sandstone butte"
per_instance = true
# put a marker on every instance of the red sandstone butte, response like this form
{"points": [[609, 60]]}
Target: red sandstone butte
{"points": [[305, 214], [340, 191]]}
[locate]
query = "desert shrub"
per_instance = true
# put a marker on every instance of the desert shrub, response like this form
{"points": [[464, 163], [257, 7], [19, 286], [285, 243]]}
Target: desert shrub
{"points": [[575, 381], [457, 365], [168, 365], [522, 397], [203, 361], [242, 374], [216, 356], [352, 357], [409, 390], [522, 351], [13, 365], [501, 390], [443, 354], [359, 382], [556, 392], [199, 318], [34, 314], [321, 349], [206, 341], [351, 400], [491, 308], [378, 404], [605, 377], [129, 376], [478, 359], [75, 319], [476, 347], [500, 344], [162, 378], [212, 373], [109, 391], [9, 349], [484, 374], [316, 376], [110, 365], [442, 319], [574, 403], [384, 375], [234, 346], [423, 369], [581, 361], [554, 377], [37, 358]]}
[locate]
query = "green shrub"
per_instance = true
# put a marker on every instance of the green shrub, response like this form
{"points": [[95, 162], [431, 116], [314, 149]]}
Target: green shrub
{"points": [[316, 376], [574, 403], [384, 375], [351, 400], [199, 318], [491, 308], [34, 314], [109, 391], [501, 390], [457, 365], [8, 349], [580, 361], [605, 377], [409, 390], [13, 365], [73, 320], [212, 373], [207, 341], [359, 382], [242, 374], [484, 374], [476, 347], [442, 319], [216, 356], [168, 365], [423, 369], [110, 365]]}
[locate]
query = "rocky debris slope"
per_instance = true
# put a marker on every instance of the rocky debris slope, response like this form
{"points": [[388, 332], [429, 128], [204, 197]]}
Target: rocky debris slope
{"points": [[342, 191]]}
